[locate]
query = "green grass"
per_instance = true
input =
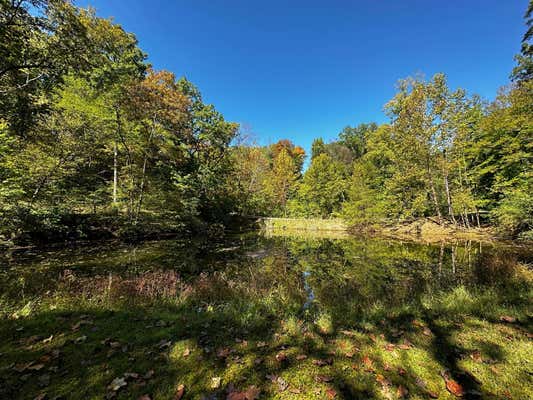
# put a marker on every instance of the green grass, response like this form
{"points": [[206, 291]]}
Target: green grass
{"points": [[384, 320], [240, 342], [304, 224]]}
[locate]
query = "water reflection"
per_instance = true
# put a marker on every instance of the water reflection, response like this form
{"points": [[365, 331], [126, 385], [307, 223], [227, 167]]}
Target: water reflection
{"points": [[352, 279], [355, 305]]}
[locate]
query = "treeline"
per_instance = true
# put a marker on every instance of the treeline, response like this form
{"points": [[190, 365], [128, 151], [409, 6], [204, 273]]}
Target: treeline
{"points": [[445, 154], [92, 139], [94, 143]]}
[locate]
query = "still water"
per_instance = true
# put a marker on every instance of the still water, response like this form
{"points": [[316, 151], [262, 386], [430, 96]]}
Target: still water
{"points": [[350, 278]]}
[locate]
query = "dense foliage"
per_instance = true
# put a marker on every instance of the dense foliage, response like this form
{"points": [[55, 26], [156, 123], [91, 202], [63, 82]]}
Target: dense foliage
{"points": [[94, 142], [92, 139]]}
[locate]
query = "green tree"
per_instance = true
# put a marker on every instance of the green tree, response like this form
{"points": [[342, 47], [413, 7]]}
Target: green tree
{"points": [[524, 70], [281, 182], [322, 189]]}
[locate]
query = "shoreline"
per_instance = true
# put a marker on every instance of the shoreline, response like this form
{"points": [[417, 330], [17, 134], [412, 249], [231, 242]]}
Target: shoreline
{"points": [[422, 230]]}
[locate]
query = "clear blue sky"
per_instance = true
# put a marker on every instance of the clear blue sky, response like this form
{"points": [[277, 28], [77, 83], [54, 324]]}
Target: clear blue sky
{"points": [[303, 69]]}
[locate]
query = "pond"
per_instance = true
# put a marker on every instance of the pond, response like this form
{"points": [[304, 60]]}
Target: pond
{"points": [[250, 316]]}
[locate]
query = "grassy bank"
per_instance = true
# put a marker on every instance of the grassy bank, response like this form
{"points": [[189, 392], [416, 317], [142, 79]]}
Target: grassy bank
{"points": [[422, 230], [304, 224]]}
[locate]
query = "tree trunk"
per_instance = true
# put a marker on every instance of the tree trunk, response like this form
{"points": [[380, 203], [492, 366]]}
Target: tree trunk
{"points": [[141, 190], [434, 194], [115, 173], [143, 176], [449, 198], [477, 218]]}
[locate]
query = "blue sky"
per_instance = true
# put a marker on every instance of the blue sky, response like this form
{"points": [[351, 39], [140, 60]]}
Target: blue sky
{"points": [[304, 69]]}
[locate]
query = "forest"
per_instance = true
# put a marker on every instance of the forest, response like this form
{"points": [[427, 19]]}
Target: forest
{"points": [[96, 143], [144, 252]]}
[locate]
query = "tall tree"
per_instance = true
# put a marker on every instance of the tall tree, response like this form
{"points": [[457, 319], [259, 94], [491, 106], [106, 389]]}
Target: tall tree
{"points": [[524, 70]]}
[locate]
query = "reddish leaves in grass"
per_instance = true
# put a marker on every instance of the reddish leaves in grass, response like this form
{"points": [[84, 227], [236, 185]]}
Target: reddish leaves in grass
{"points": [[331, 393], [179, 392], [321, 363], [476, 356], [402, 392], [323, 378], [223, 352], [452, 385], [508, 319], [368, 363], [390, 346], [252, 393], [454, 388], [382, 380]]}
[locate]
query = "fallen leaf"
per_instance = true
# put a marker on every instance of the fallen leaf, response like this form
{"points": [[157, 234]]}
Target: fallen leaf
{"points": [[402, 371], [368, 363], [223, 352], [162, 344], [21, 367], [116, 384], [426, 331], [179, 392], [281, 356], [252, 393], [81, 339], [321, 363], [282, 384], [215, 382], [348, 333], [323, 378], [452, 385], [132, 375], [508, 319], [402, 392], [36, 367], [295, 391], [382, 380], [390, 347], [301, 357], [331, 393], [49, 339], [261, 344], [45, 358], [476, 356], [236, 396], [145, 397], [186, 352], [420, 383]]}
